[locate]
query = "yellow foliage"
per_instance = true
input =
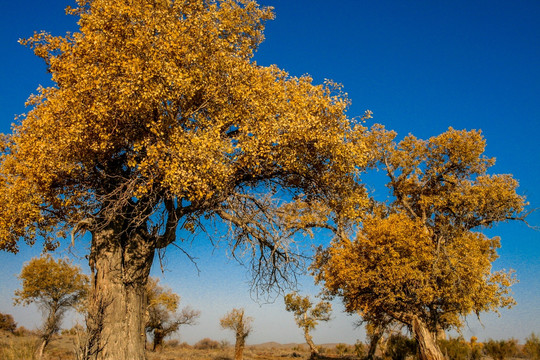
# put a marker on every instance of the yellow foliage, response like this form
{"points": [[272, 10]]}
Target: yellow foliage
{"points": [[160, 101], [423, 253]]}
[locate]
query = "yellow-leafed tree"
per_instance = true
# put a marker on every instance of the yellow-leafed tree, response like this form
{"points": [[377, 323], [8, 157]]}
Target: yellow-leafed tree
{"points": [[241, 325], [307, 315], [163, 318], [159, 117], [421, 259], [56, 286]]}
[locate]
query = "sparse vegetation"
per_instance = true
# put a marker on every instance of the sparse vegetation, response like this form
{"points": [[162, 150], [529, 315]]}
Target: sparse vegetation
{"points": [[532, 347], [456, 349], [500, 349]]}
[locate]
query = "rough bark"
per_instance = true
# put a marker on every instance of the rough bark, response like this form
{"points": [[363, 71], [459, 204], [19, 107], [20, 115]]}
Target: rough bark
{"points": [[311, 344], [239, 346], [120, 262], [428, 348]]}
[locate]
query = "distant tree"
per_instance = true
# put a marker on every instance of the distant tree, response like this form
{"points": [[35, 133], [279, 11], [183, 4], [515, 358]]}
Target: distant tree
{"points": [[420, 258], [307, 315], [532, 347], [241, 325], [163, 319], [500, 349], [7, 323], [55, 286]]}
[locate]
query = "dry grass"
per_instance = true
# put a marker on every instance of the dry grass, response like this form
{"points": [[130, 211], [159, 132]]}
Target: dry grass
{"points": [[62, 347]]}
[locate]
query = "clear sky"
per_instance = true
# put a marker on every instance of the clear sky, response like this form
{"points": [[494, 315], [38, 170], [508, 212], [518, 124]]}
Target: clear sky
{"points": [[420, 66]]}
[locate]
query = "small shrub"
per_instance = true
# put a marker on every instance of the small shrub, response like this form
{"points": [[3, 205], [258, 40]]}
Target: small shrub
{"points": [[172, 343], [455, 349], [207, 344], [22, 331], [359, 349], [7, 323], [399, 347], [500, 349], [532, 347], [341, 349]]}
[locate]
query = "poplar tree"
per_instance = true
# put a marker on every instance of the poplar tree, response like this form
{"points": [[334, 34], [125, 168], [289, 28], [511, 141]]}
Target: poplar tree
{"points": [[420, 258], [158, 119]]}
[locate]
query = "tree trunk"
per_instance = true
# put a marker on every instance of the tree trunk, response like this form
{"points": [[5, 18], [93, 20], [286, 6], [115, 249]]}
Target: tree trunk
{"points": [[374, 341], [428, 348], [158, 340], [41, 348], [120, 267], [312, 347], [239, 347], [49, 329]]}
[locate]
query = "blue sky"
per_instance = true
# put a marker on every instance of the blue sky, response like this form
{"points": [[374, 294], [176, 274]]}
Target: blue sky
{"points": [[420, 66]]}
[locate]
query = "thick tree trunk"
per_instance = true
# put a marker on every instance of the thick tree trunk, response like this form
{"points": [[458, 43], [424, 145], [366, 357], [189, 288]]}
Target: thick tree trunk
{"points": [[311, 344], [428, 348], [120, 266], [239, 347]]}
